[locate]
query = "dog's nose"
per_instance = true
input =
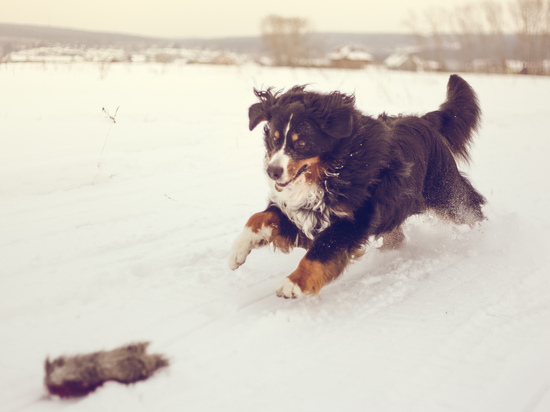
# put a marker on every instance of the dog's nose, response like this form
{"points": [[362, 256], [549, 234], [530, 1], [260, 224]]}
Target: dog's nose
{"points": [[275, 172]]}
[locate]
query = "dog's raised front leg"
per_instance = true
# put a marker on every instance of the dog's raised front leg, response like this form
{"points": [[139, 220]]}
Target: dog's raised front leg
{"points": [[257, 232], [263, 228]]}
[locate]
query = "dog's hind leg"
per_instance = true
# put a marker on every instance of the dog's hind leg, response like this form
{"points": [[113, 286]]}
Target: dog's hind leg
{"points": [[463, 203], [392, 240]]}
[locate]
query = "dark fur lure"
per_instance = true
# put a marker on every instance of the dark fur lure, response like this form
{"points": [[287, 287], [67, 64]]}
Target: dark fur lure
{"points": [[78, 375]]}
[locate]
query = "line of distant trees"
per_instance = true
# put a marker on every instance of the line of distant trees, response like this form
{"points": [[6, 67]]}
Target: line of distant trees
{"points": [[484, 28], [479, 36]]}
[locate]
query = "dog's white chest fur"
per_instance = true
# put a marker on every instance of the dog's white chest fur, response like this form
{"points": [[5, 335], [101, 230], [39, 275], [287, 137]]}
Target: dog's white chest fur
{"points": [[303, 203]]}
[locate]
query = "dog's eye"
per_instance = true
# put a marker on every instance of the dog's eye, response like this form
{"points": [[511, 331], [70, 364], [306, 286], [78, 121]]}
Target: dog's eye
{"points": [[299, 145], [276, 136]]}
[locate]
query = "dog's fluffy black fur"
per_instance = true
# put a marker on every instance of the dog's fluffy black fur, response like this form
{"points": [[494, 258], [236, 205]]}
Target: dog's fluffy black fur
{"points": [[371, 175]]}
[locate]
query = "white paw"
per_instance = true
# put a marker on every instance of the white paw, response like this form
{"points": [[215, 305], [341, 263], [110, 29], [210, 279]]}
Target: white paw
{"points": [[237, 258], [289, 289], [244, 244]]}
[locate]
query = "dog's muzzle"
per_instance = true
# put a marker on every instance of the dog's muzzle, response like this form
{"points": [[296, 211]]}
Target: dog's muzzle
{"points": [[276, 172]]}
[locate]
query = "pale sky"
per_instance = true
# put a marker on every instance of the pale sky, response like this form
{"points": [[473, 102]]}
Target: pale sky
{"points": [[213, 18]]}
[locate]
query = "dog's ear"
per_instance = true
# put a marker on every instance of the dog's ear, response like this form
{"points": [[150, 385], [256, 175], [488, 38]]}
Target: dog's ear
{"points": [[256, 115], [338, 123], [260, 112]]}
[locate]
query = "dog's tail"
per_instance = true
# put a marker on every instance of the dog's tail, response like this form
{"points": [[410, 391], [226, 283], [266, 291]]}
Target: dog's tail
{"points": [[458, 118]]}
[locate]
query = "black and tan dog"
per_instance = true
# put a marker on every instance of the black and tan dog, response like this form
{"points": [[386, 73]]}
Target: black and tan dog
{"points": [[339, 177]]}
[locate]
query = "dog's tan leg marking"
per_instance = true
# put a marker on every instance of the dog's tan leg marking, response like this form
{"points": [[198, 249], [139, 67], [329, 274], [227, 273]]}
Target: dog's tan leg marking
{"points": [[310, 276]]}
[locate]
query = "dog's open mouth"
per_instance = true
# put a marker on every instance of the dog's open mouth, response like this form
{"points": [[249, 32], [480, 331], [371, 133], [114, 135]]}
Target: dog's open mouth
{"points": [[280, 186]]}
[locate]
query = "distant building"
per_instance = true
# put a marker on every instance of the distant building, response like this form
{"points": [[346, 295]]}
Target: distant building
{"points": [[403, 61], [410, 62], [350, 57], [223, 59], [164, 58]]}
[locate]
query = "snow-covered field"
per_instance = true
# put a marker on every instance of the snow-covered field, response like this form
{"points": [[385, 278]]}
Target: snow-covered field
{"points": [[120, 232]]}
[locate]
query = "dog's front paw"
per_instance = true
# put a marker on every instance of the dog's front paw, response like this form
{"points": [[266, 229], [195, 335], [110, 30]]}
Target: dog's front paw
{"points": [[236, 260], [289, 290], [243, 245], [238, 254]]}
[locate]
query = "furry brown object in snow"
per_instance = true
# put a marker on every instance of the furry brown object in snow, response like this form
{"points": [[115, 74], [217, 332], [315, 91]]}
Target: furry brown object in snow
{"points": [[79, 375]]}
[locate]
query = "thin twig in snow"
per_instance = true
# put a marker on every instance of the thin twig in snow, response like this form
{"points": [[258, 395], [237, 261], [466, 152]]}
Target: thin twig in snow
{"points": [[113, 118]]}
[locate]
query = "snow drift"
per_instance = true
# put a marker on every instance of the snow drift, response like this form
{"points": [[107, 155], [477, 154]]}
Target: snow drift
{"points": [[119, 232]]}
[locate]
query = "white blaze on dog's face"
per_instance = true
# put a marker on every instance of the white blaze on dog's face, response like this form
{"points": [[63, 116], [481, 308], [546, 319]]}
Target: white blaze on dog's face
{"points": [[278, 161]]}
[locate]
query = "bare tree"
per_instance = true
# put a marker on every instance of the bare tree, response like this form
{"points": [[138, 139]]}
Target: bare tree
{"points": [[435, 20], [468, 23], [532, 22], [286, 39], [428, 28], [494, 13], [480, 29], [413, 22]]}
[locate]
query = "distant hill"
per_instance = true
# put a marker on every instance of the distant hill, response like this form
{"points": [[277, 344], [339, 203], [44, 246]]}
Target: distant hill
{"points": [[45, 35], [16, 37]]}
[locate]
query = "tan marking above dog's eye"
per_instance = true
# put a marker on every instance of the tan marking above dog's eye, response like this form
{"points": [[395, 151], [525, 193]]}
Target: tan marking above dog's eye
{"points": [[295, 137], [276, 135]]}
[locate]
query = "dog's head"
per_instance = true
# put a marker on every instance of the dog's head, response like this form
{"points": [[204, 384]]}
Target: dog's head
{"points": [[302, 127]]}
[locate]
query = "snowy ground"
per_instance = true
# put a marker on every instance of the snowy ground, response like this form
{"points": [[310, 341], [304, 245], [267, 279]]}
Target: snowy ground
{"points": [[113, 233]]}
